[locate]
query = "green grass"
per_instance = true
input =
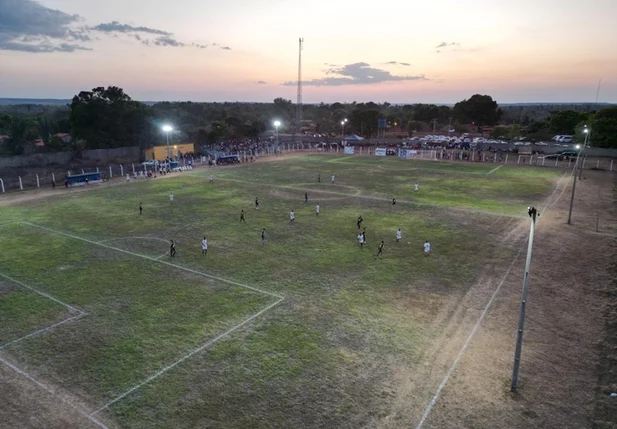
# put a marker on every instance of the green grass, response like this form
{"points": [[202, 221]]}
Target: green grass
{"points": [[327, 356]]}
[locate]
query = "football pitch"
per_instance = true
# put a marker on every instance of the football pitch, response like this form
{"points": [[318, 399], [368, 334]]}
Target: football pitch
{"points": [[303, 330]]}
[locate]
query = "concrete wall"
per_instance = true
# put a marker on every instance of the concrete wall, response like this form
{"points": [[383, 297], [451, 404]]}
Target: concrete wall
{"points": [[64, 158]]}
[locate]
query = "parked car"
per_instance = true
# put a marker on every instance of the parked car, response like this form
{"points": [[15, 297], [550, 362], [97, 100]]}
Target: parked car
{"points": [[563, 155]]}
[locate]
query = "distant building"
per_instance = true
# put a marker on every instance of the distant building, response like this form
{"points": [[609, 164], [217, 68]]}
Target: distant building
{"points": [[65, 137], [39, 143]]}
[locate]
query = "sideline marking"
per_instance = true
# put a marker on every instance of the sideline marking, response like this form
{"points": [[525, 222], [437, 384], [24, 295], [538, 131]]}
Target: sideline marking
{"points": [[155, 260], [442, 385], [64, 304], [53, 393], [494, 169], [40, 331], [133, 238], [185, 357]]}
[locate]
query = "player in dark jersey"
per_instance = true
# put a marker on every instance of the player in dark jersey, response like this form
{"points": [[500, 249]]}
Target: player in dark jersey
{"points": [[172, 249], [359, 221], [256, 203], [379, 250], [393, 201], [263, 236], [305, 197], [141, 209], [242, 217]]}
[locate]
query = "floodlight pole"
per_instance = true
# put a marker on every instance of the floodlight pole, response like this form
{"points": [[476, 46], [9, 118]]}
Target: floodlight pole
{"points": [[168, 153], [521, 321], [574, 177]]}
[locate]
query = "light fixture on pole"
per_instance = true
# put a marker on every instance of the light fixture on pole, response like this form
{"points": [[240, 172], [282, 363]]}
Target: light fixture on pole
{"points": [[167, 129], [533, 213], [586, 131], [277, 124], [343, 122]]}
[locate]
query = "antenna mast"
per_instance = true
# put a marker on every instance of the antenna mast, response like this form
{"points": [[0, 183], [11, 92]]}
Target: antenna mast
{"points": [[299, 98]]}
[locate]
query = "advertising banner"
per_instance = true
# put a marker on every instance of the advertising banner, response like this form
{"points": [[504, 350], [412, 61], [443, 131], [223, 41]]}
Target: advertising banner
{"points": [[350, 150], [380, 151], [403, 153]]}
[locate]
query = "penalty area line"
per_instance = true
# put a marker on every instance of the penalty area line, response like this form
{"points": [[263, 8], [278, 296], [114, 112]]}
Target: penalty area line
{"points": [[231, 282], [64, 304], [40, 331], [185, 357]]}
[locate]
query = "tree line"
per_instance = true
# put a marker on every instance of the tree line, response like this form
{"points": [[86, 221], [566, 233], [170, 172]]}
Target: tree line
{"points": [[109, 118]]}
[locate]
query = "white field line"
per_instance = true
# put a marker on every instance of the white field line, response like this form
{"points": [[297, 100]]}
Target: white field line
{"points": [[155, 260], [185, 357], [53, 393], [40, 331], [159, 257], [494, 169], [133, 238], [463, 349], [369, 197], [64, 304], [431, 404]]}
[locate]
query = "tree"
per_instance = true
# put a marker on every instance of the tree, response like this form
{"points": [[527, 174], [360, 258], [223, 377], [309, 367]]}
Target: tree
{"points": [[564, 122], [500, 133], [604, 128], [479, 109], [108, 118], [22, 133], [538, 131], [365, 121]]}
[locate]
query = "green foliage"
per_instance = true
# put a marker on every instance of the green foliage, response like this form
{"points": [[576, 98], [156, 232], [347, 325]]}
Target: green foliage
{"points": [[604, 128], [479, 110], [500, 133], [564, 122], [364, 120], [22, 133], [108, 118]]}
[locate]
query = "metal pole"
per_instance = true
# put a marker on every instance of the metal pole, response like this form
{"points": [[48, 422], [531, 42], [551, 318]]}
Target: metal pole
{"points": [[110, 172], [573, 189], [121, 171], [168, 153], [2, 185], [506, 158], [521, 321], [38, 182], [611, 169], [584, 158], [21, 185]]}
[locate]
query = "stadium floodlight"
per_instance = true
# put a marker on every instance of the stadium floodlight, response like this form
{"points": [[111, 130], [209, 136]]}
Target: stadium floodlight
{"points": [[276, 124], [533, 213], [343, 122], [167, 129]]}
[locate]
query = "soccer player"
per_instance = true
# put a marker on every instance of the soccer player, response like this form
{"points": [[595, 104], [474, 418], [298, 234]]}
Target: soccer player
{"points": [[359, 221], [399, 235], [292, 216], [212, 178], [305, 197], [128, 177], [141, 209], [319, 178], [242, 217], [361, 240], [332, 179], [427, 248], [415, 187], [364, 236], [379, 250], [263, 236], [172, 249], [204, 246], [317, 210], [393, 201], [256, 203], [171, 197]]}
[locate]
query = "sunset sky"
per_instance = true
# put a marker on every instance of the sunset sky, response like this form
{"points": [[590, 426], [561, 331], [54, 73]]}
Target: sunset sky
{"points": [[401, 51]]}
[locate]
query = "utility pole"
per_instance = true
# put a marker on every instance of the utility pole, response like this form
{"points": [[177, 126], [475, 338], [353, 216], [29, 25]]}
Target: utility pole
{"points": [[586, 131], [298, 128], [532, 212]]}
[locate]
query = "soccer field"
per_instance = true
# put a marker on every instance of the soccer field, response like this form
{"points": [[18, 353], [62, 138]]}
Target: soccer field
{"points": [[305, 330]]}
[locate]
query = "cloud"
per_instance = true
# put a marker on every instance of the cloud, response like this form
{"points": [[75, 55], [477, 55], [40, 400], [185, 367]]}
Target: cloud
{"points": [[168, 41], [116, 27], [442, 45], [262, 82], [28, 26], [356, 74], [398, 63]]}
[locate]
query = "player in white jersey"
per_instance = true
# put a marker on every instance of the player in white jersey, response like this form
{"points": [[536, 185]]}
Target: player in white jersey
{"points": [[171, 197], [292, 216], [416, 187], [204, 246], [317, 210], [361, 240], [332, 179], [427, 248], [399, 235]]}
